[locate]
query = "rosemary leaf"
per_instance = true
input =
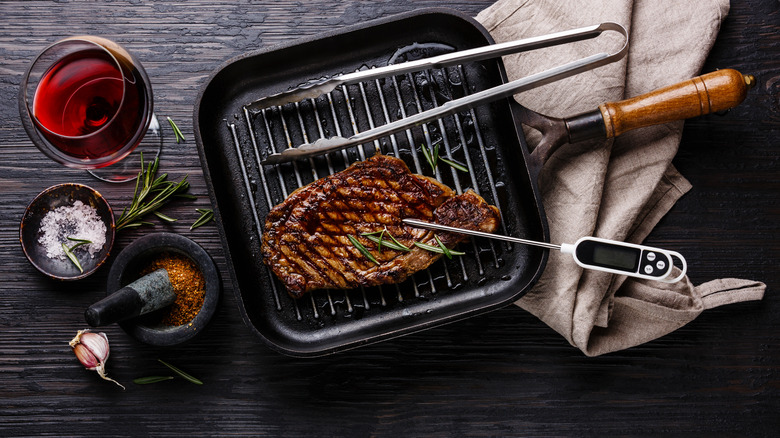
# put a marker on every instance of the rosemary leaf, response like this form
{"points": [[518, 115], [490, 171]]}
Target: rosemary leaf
{"points": [[455, 165], [444, 249], [176, 130], [160, 179], [379, 244], [79, 240], [72, 257], [135, 192], [138, 224], [403, 247], [78, 245], [436, 249], [205, 216], [148, 175], [181, 373], [361, 248], [155, 166], [151, 379], [164, 217]]}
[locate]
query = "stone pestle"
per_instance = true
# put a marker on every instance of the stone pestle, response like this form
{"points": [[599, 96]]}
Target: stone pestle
{"points": [[147, 294]]}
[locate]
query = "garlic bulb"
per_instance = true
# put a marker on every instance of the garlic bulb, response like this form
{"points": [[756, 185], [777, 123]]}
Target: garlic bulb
{"points": [[92, 350]]}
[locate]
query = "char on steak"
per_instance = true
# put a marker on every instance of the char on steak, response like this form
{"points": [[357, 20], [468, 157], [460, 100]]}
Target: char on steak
{"points": [[305, 240]]}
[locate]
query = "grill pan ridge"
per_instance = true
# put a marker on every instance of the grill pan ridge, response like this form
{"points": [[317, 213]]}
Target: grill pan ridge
{"points": [[231, 142]]}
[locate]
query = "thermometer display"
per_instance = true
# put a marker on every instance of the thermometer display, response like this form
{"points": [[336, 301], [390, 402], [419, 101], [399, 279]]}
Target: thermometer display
{"points": [[609, 255]]}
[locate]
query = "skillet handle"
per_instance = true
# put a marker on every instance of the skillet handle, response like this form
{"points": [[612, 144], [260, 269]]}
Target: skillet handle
{"points": [[705, 94]]}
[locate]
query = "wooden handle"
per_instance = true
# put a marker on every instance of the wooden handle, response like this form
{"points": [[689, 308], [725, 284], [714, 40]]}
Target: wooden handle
{"points": [[712, 92]]}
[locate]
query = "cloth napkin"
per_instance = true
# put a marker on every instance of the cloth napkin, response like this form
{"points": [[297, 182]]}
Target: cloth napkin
{"points": [[616, 189]]}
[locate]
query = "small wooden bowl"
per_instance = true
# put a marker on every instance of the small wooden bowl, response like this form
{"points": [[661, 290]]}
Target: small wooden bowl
{"points": [[48, 200], [126, 268]]}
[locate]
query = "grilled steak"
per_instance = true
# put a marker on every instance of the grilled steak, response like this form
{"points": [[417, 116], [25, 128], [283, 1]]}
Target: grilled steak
{"points": [[306, 238]]}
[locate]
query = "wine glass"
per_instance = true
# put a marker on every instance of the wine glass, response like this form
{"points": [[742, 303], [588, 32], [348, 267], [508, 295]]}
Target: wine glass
{"points": [[86, 103]]}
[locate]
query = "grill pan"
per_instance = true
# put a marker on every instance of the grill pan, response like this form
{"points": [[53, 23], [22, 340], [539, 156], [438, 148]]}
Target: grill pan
{"points": [[232, 143]]}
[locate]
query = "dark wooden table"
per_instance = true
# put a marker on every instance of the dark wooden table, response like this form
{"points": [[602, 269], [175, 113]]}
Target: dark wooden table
{"points": [[501, 374]]}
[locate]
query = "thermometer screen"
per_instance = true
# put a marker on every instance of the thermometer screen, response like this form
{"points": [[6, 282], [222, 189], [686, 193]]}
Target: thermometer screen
{"points": [[609, 255]]}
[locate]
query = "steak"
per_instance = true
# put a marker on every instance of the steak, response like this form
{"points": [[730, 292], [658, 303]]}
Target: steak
{"points": [[306, 239]]}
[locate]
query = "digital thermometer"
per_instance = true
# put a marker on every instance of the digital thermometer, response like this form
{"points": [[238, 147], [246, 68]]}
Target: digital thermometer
{"points": [[625, 258], [598, 254]]}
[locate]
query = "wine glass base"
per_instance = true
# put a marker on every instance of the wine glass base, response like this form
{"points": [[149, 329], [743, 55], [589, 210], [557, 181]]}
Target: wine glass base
{"points": [[127, 169]]}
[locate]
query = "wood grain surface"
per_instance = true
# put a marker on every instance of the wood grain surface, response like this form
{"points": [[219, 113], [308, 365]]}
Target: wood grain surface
{"points": [[500, 374]]}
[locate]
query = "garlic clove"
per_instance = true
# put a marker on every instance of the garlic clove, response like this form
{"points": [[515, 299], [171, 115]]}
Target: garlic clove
{"points": [[85, 356], [92, 351], [97, 344]]}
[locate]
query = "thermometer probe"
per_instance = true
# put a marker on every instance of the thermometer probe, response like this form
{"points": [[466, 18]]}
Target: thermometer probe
{"points": [[595, 253]]}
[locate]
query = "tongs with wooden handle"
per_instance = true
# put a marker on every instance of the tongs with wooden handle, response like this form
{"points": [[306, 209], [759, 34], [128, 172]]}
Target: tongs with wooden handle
{"points": [[325, 145], [709, 93]]}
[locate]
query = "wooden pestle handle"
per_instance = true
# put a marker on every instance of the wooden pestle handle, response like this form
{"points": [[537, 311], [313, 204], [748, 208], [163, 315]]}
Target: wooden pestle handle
{"points": [[712, 92]]}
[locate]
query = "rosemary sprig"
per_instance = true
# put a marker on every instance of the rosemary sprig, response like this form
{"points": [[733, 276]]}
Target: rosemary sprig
{"points": [[392, 244], [433, 158], [206, 215], [181, 373], [439, 250], [69, 251], [151, 193], [361, 248], [176, 130]]}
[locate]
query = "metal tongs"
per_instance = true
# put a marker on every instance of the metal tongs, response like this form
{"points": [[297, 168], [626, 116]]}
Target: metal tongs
{"points": [[336, 143]]}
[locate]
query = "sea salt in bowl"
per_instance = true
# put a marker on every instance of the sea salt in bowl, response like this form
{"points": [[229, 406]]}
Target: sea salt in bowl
{"points": [[127, 267], [62, 211]]}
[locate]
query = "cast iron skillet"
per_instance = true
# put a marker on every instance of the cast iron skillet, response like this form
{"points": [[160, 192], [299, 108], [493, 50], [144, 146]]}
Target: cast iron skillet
{"points": [[242, 191]]}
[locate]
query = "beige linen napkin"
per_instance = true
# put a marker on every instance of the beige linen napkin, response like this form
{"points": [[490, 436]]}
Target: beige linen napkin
{"points": [[613, 189]]}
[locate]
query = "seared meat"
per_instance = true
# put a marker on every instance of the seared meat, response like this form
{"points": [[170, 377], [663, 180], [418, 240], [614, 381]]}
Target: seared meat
{"points": [[306, 243]]}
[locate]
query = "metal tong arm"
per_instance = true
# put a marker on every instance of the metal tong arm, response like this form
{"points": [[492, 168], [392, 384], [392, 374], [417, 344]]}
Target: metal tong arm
{"points": [[315, 89], [325, 145], [434, 226]]}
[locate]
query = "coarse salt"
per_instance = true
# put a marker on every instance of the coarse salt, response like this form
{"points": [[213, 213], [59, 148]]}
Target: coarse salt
{"points": [[79, 221]]}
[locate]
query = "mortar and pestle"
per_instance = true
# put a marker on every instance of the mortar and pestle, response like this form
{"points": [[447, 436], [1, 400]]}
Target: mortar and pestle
{"points": [[137, 304]]}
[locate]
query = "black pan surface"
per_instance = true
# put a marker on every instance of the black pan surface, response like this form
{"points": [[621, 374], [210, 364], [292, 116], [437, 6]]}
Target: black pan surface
{"points": [[230, 142]]}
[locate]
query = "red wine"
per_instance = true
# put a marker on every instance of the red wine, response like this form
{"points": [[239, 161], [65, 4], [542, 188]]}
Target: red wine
{"points": [[89, 107]]}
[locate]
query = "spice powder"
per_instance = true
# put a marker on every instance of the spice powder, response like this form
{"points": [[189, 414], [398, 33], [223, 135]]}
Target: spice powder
{"points": [[188, 284]]}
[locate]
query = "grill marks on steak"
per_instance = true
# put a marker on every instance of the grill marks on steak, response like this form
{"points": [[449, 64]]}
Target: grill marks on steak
{"points": [[305, 239]]}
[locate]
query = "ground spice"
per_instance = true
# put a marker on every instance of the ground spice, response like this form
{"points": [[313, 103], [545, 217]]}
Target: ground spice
{"points": [[188, 284]]}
